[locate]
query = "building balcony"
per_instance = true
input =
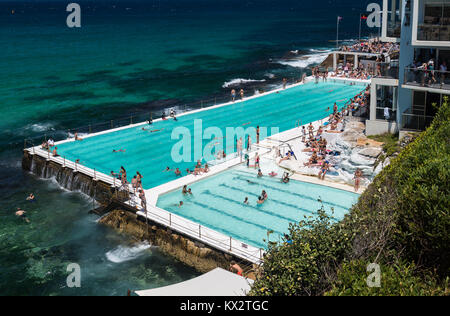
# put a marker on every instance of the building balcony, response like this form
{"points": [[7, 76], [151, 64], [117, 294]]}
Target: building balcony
{"points": [[427, 79], [433, 32], [387, 70]]}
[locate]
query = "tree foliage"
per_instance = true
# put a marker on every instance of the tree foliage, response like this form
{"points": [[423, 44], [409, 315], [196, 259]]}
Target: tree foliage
{"points": [[401, 222]]}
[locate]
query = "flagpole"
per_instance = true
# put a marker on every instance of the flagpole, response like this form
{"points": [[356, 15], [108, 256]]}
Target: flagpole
{"points": [[360, 17], [337, 34]]}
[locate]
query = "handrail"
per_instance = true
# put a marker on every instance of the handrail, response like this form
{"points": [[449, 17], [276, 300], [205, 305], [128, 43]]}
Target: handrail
{"points": [[204, 234], [139, 117]]}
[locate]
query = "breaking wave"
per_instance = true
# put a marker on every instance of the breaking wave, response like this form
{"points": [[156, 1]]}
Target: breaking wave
{"points": [[123, 253]]}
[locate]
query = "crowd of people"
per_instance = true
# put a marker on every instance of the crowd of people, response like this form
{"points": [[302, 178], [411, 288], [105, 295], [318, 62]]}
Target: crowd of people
{"points": [[316, 145], [427, 73], [371, 47]]}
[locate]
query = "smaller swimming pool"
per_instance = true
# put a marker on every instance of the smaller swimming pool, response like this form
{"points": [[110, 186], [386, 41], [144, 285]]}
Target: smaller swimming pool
{"points": [[217, 203]]}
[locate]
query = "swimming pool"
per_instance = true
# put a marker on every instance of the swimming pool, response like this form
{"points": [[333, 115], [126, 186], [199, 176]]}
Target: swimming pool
{"points": [[217, 203], [150, 153]]}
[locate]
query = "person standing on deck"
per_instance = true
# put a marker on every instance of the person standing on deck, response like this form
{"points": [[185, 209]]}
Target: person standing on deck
{"points": [[249, 143], [284, 83], [311, 130], [123, 175], [233, 95], [242, 94], [257, 134], [239, 148]]}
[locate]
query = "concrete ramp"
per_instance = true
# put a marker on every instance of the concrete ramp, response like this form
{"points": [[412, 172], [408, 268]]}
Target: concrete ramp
{"points": [[217, 282]]}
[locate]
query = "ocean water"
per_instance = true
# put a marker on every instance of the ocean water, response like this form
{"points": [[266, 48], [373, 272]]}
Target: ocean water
{"points": [[128, 56]]}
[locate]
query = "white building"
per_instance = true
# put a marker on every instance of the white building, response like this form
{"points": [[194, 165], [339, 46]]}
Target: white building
{"points": [[411, 94]]}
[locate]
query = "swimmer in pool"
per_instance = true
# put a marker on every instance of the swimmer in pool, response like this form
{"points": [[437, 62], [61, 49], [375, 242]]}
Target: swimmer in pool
{"points": [[119, 151], [184, 191], [178, 172], [260, 174], [273, 174], [246, 201]]}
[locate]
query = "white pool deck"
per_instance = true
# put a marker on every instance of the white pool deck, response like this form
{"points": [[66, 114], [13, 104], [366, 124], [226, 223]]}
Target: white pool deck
{"points": [[217, 282], [180, 224]]}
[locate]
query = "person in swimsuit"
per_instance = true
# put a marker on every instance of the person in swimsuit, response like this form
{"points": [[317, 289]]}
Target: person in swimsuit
{"points": [[185, 190], [257, 134], [357, 178], [177, 172], [260, 174], [235, 268], [77, 138], [22, 214], [246, 201], [119, 151], [233, 95], [324, 170]]}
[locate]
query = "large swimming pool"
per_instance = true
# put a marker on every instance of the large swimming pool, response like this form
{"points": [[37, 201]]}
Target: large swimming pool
{"points": [[217, 203], [150, 153]]}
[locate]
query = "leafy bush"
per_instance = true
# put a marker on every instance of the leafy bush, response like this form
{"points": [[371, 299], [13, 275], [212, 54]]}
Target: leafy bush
{"points": [[395, 279], [403, 217]]}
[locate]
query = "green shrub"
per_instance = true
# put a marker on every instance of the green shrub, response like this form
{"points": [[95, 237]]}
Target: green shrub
{"points": [[398, 279], [403, 216]]}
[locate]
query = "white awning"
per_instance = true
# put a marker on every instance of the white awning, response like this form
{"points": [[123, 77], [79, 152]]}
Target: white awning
{"points": [[217, 282]]}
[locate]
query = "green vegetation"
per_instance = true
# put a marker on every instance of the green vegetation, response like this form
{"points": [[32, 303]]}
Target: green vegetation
{"points": [[401, 222]]}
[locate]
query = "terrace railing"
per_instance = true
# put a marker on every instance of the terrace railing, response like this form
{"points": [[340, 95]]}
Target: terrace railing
{"points": [[419, 77], [139, 117], [415, 122], [387, 70]]}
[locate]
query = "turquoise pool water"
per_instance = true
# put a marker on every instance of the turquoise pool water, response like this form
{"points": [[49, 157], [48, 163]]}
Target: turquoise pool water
{"points": [[217, 203], [150, 153]]}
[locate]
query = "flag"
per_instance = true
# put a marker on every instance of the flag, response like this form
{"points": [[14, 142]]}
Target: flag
{"points": [[340, 18], [364, 17]]}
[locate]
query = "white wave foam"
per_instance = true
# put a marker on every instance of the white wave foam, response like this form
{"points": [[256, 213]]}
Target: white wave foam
{"points": [[239, 81], [305, 60], [40, 127], [123, 253]]}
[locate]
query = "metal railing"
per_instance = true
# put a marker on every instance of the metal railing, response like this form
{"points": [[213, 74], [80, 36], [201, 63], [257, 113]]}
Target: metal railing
{"points": [[387, 70], [433, 32], [204, 234], [415, 122], [142, 117], [436, 79]]}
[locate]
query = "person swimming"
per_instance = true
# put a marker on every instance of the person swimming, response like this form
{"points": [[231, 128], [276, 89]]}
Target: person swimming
{"points": [[31, 198], [246, 201], [178, 172], [119, 151], [260, 174], [22, 214]]}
